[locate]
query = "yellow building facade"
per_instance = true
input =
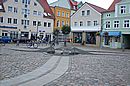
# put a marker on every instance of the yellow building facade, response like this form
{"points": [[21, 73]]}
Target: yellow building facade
{"points": [[62, 17]]}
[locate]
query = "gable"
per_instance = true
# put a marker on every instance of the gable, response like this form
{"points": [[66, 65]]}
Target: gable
{"points": [[85, 7], [61, 3]]}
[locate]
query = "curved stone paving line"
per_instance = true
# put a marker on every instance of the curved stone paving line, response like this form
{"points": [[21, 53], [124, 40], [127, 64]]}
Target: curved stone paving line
{"points": [[14, 63], [96, 70]]}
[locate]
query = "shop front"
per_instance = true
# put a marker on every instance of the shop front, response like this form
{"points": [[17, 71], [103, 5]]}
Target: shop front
{"points": [[77, 37], [112, 39]]}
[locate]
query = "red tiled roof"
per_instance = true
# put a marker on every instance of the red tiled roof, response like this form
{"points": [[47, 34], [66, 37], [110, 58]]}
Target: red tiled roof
{"points": [[112, 7], [97, 8], [1, 3], [73, 3], [46, 7]]}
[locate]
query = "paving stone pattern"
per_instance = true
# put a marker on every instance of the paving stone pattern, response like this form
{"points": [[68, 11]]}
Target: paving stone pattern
{"points": [[96, 70], [14, 63]]}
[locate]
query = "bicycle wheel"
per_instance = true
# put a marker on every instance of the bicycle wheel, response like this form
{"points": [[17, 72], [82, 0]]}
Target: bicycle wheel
{"points": [[35, 45], [28, 45]]}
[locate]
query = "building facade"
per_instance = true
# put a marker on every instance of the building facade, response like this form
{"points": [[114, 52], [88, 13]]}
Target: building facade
{"points": [[25, 19], [69, 4], [62, 17], [85, 23], [116, 25]]}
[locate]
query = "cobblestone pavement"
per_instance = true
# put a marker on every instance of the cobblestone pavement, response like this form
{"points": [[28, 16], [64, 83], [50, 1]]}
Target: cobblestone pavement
{"points": [[96, 70], [14, 63]]}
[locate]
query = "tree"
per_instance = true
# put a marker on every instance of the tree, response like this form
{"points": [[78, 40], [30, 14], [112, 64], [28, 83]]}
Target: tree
{"points": [[65, 30]]}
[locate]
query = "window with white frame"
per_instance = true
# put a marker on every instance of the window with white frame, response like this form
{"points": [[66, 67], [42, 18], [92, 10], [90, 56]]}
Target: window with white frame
{"points": [[62, 14], [122, 9], [39, 13], [10, 9], [15, 21], [25, 11], [34, 23], [15, 10], [88, 12], [83, 13], [9, 20], [35, 13], [126, 23], [95, 23], [88, 23], [67, 23], [63, 23], [49, 24], [108, 24], [26, 1], [67, 15], [45, 24], [24, 22], [116, 24], [81, 23], [75, 23], [1, 19], [58, 13], [108, 15]]}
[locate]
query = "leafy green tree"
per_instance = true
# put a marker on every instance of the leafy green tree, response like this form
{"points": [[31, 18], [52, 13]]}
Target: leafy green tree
{"points": [[65, 30]]}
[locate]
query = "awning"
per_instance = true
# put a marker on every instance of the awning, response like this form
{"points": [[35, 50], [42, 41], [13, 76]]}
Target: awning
{"points": [[111, 33], [114, 33]]}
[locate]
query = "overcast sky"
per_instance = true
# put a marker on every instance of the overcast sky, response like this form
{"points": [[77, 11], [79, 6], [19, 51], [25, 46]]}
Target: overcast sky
{"points": [[102, 3]]}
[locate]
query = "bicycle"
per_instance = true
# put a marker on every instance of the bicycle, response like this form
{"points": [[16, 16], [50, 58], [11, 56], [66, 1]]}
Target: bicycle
{"points": [[33, 44]]}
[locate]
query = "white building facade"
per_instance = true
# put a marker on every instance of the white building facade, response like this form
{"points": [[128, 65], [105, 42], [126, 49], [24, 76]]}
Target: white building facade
{"points": [[86, 23], [24, 19]]}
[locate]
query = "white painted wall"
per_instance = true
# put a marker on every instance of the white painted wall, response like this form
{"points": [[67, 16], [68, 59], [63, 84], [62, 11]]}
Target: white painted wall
{"points": [[94, 16]]}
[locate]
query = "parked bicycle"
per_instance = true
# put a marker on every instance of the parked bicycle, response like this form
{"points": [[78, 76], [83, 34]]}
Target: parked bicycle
{"points": [[33, 44]]}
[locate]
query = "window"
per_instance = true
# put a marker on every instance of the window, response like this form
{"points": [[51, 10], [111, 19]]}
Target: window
{"points": [[81, 23], [123, 9], [49, 24], [15, 10], [67, 15], [39, 13], [83, 13], [62, 14], [116, 24], [15, 0], [95, 23], [63, 23], [25, 11], [88, 12], [126, 23], [34, 23], [58, 23], [10, 9], [25, 22], [75, 23], [9, 20], [67, 23], [108, 24], [58, 13], [45, 24], [108, 15], [35, 4], [88, 23], [34, 12], [26, 1], [1, 7], [1, 20], [15, 21]]}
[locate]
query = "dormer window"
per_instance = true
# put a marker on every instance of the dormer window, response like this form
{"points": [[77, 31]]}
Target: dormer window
{"points": [[123, 9]]}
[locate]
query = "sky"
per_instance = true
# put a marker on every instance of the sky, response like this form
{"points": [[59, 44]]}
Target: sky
{"points": [[102, 3]]}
